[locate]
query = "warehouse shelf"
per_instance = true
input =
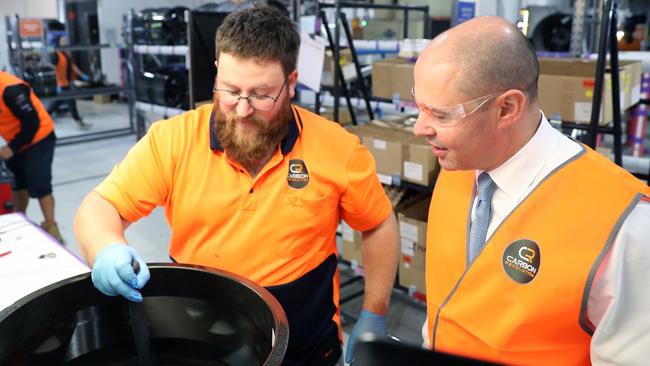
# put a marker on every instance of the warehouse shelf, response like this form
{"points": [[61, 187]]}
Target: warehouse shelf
{"points": [[158, 109], [142, 49], [17, 57], [94, 136], [68, 48], [357, 274], [339, 80], [199, 65], [85, 92]]}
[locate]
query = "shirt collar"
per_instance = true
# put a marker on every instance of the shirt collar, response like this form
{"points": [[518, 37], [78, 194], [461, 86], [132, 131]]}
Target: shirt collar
{"points": [[295, 127], [515, 175]]}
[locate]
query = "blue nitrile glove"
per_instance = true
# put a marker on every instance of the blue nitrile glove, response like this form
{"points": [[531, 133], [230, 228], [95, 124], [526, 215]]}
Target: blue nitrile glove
{"points": [[58, 89], [368, 323], [85, 77], [113, 274]]}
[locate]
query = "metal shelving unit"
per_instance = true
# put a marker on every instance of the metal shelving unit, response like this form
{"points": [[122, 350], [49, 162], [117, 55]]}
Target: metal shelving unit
{"points": [[200, 69], [16, 53], [334, 45], [137, 51]]}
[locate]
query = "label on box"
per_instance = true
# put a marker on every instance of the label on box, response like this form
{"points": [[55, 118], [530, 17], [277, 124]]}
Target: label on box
{"points": [[413, 171], [636, 93], [408, 247], [582, 111], [379, 144], [347, 234], [385, 179], [408, 231]]}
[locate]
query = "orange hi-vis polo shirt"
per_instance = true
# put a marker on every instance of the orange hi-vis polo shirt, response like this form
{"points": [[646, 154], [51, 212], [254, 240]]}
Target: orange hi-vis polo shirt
{"points": [[523, 300], [277, 229]]}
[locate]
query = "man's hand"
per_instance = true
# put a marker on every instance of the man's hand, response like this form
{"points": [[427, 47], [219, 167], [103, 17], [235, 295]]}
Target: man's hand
{"points": [[368, 323], [6, 153], [113, 273]]}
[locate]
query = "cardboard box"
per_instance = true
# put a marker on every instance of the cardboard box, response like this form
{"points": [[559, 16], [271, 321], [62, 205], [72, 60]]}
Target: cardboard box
{"points": [[385, 145], [345, 58], [413, 233], [631, 81], [351, 245], [392, 78], [398, 152], [411, 277], [419, 164], [347, 67], [566, 88]]}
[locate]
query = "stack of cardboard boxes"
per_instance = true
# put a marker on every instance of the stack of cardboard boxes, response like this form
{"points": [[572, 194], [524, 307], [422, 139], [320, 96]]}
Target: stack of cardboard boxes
{"points": [[351, 245], [413, 238], [399, 155], [392, 78], [412, 221], [566, 89]]}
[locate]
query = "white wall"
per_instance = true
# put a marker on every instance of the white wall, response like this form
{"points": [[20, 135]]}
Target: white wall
{"points": [[24, 9]]}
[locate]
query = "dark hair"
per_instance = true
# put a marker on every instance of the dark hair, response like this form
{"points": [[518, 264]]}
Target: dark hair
{"points": [[498, 62], [261, 33]]}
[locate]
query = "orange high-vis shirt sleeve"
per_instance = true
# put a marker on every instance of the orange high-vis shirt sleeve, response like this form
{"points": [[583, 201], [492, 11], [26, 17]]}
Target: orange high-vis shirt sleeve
{"points": [[146, 170], [364, 204]]}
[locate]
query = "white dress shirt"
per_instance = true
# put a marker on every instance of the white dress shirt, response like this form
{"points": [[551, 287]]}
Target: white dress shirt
{"points": [[619, 300]]}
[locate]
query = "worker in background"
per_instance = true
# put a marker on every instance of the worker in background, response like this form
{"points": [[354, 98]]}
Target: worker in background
{"points": [[66, 71], [28, 133], [537, 248], [256, 186]]}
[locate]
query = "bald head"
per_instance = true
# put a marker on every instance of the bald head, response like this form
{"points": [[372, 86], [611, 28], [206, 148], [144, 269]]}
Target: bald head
{"points": [[489, 55]]}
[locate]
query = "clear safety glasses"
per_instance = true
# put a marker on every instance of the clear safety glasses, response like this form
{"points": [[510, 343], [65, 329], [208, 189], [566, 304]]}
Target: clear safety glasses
{"points": [[445, 116]]}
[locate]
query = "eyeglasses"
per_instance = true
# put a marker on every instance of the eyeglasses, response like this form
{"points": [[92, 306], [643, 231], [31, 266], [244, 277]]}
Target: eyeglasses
{"points": [[445, 116], [258, 102]]}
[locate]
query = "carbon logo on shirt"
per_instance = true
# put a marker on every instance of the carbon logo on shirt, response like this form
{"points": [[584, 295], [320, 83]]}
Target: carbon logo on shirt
{"points": [[521, 260], [298, 176]]}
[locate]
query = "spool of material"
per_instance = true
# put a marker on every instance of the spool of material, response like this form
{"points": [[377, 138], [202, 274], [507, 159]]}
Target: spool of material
{"points": [[195, 315]]}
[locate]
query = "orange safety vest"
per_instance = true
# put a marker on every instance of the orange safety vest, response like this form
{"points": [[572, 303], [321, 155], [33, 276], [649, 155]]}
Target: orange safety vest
{"points": [[523, 300], [10, 125], [63, 70]]}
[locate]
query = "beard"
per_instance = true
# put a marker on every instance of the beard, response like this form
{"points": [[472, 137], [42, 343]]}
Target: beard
{"points": [[251, 140]]}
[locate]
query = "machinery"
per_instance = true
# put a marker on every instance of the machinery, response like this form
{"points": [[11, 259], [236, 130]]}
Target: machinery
{"points": [[160, 26], [547, 24], [41, 78], [165, 86]]}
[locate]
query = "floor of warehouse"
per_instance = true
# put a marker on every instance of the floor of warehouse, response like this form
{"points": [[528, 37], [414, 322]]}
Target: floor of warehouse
{"points": [[80, 167]]}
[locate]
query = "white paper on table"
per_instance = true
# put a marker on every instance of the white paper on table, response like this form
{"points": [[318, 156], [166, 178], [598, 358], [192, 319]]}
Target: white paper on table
{"points": [[310, 61], [34, 260]]}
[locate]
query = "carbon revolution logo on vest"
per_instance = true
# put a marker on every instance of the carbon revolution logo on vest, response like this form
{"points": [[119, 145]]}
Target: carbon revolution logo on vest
{"points": [[521, 260], [298, 176]]}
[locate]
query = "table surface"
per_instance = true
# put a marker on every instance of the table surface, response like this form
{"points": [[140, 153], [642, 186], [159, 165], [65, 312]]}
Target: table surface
{"points": [[30, 259]]}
